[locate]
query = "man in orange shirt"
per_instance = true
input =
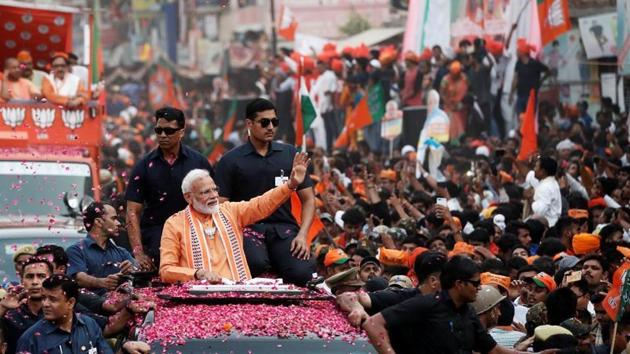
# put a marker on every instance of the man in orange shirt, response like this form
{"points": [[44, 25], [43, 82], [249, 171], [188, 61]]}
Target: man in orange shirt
{"points": [[205, 240], [62, 87], [14, 86]]}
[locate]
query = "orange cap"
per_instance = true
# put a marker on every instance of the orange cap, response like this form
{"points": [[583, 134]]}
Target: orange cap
{"points": [[522, 47], [505, 177], [426, 54], [578, 214], [412, 57], [455, 67], [531, 259], [414, 254], [388, 55], [362, 51], [597, 202], [335, 256], [461, 248], [544, 280], [388, 174], [624, 250], [337, 66], [59, 55], [24, 56], [495, 279], [585, 243]]}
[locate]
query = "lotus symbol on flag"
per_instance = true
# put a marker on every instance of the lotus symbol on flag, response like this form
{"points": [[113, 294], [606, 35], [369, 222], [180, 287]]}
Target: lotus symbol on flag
{"points": [[73, 118], [13, 117], [555, 17], [43, 117]]}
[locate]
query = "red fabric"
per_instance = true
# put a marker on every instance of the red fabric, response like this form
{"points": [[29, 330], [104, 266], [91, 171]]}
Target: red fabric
{"points": [[296, 211], [529, 144], [41, 32]]}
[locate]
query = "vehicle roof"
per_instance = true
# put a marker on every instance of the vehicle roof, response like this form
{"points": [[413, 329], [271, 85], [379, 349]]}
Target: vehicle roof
{"points": [[39, 232], [193, 327]]}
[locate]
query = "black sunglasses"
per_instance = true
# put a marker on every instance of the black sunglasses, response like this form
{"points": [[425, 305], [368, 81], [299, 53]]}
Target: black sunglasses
{"points": [[475, 283], [167, 130], [265, 122]]}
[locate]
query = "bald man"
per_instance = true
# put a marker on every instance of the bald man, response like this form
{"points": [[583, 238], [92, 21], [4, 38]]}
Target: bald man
{"points": [[14, 86]]}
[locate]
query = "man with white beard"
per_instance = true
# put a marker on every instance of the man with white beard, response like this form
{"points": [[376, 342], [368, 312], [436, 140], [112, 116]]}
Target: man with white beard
{"points": [[205, 240]]}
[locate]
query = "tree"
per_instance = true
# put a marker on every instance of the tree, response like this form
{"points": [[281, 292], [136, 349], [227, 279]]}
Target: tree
{"points": [[355, 24]]}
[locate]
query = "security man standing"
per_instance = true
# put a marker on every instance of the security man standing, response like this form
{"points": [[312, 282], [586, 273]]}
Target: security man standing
{"points": [[62, 330], [250, 170], [440, 323], [153, 193]]}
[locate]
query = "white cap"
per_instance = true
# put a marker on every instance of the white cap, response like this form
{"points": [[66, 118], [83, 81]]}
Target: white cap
{"points": [[375, 63], [483, 150], [406, 149], [338, 219], [499, 220], [565, 144]]}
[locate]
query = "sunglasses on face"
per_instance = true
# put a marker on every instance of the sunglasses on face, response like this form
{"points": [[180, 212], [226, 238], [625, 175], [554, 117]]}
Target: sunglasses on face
{"points": [[265, 122], [167, 130], [475, 283]]}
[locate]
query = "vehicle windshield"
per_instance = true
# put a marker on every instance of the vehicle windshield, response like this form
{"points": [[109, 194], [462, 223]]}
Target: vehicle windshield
{"points": [[37, 188], [8, 247]]}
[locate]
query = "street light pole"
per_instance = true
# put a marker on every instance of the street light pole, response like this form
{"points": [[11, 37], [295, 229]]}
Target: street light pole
{"points": [[274, 35]]}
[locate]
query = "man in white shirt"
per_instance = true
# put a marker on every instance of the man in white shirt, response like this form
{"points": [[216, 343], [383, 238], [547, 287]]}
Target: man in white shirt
{"points": [[324, 91], [547, 201]]}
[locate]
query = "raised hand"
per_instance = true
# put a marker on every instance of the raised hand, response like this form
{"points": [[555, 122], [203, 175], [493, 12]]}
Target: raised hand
{"points": [[298, 172]]}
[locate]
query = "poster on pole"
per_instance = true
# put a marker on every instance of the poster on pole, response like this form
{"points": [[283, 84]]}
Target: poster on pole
{"points": [[391, 125], [599, 35]]}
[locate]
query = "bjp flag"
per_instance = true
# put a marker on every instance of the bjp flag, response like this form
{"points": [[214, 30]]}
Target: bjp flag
{"points": [[554, 19]]}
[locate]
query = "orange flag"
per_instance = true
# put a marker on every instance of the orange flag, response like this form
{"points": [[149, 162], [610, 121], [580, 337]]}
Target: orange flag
{"points": [[554, 19], [359, 118], [296, 211], [529, 143], [612, 303]]}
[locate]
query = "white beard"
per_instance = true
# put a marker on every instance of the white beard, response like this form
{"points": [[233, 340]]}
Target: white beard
{"points": [[204, 209]]}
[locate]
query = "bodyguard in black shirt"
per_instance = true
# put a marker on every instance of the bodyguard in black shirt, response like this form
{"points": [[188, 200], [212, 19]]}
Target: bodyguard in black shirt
{"points": [[250, 170], [154, 190], [440, 323]]}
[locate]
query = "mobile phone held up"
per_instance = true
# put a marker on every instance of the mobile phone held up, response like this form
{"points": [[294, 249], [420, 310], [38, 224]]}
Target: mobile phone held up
{"points": [[441, 201]]}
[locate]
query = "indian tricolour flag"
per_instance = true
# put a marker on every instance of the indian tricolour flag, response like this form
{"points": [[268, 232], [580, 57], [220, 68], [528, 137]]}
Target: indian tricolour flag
{"points": [[306, 114]]}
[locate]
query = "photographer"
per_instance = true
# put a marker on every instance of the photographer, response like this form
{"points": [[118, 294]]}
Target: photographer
{"points": [[96, 262]]}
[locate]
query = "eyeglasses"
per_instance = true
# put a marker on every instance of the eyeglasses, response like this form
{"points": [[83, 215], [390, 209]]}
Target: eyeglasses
{"points": [[265, 122], [167, 130], [475, 283]]}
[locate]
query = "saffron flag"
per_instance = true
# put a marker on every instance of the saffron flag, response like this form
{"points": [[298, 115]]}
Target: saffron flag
{"points": [[306, 112], [287, 24], [529, 142], [296, 210], [554, 19], [369, 110], [618, 297]]}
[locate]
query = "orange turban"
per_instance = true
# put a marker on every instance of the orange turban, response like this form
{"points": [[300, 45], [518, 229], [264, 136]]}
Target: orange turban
{"points": [[461, 248], [455, 67], [361, 51], [388, 174], [578, 214], [495, 279], [347, 50], [585, 243], [24, 56]]}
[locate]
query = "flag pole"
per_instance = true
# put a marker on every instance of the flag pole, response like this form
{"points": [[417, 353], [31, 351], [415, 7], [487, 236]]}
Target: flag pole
{"points": [[612, 342]]}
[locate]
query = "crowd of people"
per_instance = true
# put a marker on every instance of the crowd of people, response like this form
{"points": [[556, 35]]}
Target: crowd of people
{"points": [[481, 249]]}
